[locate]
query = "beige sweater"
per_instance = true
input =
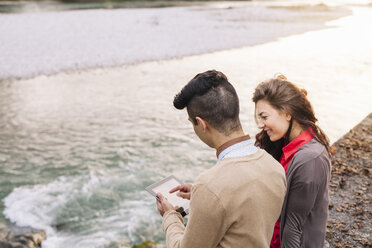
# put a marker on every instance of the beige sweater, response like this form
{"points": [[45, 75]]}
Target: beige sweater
{"points": [[234, 204]]}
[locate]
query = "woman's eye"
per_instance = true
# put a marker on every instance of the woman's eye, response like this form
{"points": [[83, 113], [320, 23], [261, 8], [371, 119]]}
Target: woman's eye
{"points": [[264, 118]]}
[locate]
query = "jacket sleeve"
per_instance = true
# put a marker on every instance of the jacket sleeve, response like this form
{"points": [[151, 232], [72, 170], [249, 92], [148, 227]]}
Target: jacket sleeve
{"points": [[302, 194], [205, 227]]}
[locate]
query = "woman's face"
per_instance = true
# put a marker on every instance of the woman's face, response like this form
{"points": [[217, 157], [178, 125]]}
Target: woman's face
{"points": [[275, 123]]}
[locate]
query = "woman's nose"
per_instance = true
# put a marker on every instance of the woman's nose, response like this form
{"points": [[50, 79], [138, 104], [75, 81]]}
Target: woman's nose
{"points": [[260, 124]]}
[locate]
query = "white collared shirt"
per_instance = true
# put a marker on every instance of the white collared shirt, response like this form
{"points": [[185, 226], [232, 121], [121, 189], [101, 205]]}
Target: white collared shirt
{"points": [[240, 149]]}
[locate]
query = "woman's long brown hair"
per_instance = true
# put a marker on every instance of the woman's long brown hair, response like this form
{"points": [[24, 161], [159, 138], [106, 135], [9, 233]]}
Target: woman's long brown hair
{"points": [[285, 96]]}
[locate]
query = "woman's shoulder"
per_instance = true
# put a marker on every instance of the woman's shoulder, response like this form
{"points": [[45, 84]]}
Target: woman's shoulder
{"points": [[313, 153], [310, 164], [311, 150]]}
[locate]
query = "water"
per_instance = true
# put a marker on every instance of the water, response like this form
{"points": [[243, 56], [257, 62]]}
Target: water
{"points": [[90, 152], [55, 5], [78, 148], [75, 40]]}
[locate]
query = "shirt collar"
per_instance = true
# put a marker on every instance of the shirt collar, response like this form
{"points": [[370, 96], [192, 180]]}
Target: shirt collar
{"points": [[230, 143], [292, 147]]}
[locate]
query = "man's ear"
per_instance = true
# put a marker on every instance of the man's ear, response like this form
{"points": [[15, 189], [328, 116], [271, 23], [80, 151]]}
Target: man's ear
{"points": [[202, 123]]}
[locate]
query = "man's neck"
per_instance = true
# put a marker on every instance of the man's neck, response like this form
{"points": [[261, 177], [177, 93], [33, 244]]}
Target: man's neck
{"points": [[221, 139], [231, 142]]}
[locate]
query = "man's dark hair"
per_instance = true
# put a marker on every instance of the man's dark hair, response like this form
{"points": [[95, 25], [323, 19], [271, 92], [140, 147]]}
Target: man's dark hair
{"points": [[210, 96]]}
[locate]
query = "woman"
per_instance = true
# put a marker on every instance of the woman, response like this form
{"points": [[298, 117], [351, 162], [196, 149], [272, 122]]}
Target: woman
{"points": [[290, 134]]}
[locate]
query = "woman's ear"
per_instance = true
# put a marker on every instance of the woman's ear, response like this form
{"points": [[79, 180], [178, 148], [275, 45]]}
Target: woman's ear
{"points": [[202, 123], [288, 117]]}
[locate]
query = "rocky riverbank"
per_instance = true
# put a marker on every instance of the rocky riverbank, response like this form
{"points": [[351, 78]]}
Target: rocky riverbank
{"points": [[350, 213], [21, 237]]}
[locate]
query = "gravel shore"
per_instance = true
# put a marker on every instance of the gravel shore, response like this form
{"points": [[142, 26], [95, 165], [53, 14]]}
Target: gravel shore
{"points": [[350, 213]]}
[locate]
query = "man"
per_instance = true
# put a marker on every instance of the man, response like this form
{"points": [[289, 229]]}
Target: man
{"points": [[237, 202]]}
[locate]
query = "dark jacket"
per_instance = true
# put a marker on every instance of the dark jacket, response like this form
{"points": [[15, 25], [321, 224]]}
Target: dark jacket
{"points": [[305, 209]]}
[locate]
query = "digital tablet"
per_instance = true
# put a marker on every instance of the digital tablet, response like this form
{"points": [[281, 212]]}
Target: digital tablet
{"points": [[164, 186]]}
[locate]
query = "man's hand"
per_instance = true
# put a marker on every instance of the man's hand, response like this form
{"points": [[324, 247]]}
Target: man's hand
{"points": [[163, 204], [184, 191]]}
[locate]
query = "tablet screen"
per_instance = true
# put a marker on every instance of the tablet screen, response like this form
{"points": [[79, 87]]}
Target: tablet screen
{"points": [[164, 186]]}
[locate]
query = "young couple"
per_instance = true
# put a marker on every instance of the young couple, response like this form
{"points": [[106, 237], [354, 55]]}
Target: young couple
{"points": [[271, 193]]}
